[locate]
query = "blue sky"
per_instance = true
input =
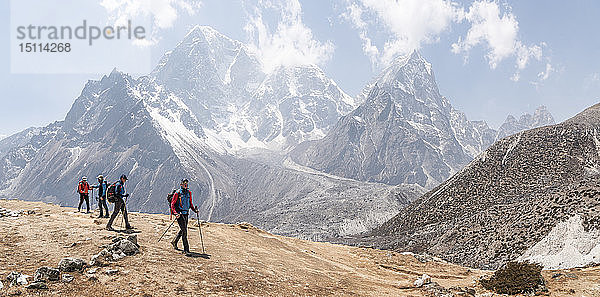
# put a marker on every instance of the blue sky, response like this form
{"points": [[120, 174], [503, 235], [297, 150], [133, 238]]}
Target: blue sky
{"points": [[490, 58]]}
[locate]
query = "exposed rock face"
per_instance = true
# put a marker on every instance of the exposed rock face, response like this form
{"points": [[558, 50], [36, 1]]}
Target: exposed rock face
{"points": [[404, 132], [225, 88], [541, 117], [508, 199], [18, 139]]}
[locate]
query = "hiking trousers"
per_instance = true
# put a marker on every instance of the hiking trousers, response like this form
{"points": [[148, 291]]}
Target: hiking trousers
{"points": [[102, 204], [86, 197], [182, 221], [119, 206]]}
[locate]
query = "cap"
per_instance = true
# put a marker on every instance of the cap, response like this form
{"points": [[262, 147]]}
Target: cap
{"points": [[100, 176], [84, 178], [124, 177]]}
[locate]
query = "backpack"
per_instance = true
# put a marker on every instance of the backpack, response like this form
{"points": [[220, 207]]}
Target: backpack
{"points": [[170, 198], [110, 193], [81, 187]]}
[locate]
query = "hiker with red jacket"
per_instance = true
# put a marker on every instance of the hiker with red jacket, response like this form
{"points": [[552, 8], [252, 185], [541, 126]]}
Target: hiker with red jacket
{"points": [[180, 206], [83, 189]]}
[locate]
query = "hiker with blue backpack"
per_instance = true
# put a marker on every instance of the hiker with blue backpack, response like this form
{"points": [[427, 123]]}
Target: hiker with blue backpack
{"points": [[181, 203], [102, 186], [115, 194]]}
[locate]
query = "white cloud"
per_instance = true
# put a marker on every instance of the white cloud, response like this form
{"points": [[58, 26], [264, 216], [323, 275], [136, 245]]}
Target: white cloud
{"points": [[290, 43], [164, 12], [411, 23], [499, 32], [546, 73]]}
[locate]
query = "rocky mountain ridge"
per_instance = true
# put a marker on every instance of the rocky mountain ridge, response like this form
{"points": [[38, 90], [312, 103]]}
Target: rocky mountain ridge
{"points": [[405, 132], [153, 128]]}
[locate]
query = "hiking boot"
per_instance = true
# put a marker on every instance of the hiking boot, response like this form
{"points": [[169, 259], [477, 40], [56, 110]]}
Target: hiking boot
{"points": [[106, 216], [187, 253], [109, 228], [128, 227], [174, 244], [87, 211]]}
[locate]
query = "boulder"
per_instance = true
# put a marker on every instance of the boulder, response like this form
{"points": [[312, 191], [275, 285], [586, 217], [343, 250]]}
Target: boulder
{"points": [[422, 280], [46, 273], [71, 264], [16, 278], [39, 285], [127, 247], [118, 256], [67, 278], [133, 238], [101, 258], [12, 278]]}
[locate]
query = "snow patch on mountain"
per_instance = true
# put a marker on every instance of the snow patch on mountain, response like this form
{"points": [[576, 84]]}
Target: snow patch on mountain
{"points": [[567, 245]]}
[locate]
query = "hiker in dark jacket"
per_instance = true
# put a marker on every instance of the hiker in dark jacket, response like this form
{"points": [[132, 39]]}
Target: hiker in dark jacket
{"points": [[119, 204], [82, 188], [102, 186], [180, 206]]}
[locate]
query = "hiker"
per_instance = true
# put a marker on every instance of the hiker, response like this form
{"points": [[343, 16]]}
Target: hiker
{"points": [[180, 205], [102, 186], [83, 189], [119, 204]]}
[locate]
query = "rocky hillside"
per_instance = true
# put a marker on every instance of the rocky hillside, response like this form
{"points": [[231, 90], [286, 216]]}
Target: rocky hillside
{"points": [[65, 253], [506, 203]]}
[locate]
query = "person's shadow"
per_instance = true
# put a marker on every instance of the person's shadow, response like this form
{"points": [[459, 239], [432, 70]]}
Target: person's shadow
{"points": [[197, 255]]}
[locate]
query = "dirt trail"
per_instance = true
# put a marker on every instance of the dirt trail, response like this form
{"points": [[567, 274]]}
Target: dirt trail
{"points": [[244, 261]]}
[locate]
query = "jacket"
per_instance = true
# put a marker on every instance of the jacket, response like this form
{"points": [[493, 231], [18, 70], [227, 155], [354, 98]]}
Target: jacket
{"points": [[101, 188], [83, 187], [181, 202]]}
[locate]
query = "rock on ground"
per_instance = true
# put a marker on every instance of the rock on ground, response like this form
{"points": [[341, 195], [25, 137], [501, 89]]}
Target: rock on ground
{"points": [[71, 264], [39, 285], [46, 273]]}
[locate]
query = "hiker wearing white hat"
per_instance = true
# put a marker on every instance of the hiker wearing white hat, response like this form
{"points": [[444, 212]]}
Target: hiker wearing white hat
{"points": [[82, 188]]}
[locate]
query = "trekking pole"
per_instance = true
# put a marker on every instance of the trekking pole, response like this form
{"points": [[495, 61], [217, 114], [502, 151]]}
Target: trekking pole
{"points": [[173, 222], [200, 229], [92, 204], [123, 212]]}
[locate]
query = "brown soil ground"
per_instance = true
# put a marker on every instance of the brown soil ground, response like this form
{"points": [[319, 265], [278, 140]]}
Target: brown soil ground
{"points": [[244, 261]]}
